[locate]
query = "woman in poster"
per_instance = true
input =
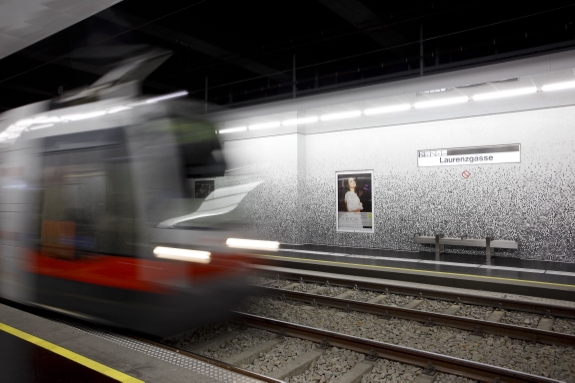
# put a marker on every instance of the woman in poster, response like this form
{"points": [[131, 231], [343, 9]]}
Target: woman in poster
{"points": [[352, 203]]}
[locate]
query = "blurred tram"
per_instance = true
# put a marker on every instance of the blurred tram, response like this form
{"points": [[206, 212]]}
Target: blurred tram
{"points": [[96, 218]]}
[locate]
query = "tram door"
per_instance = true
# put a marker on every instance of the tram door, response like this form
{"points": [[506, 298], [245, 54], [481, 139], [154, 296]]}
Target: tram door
{"points": [[87, 222]]}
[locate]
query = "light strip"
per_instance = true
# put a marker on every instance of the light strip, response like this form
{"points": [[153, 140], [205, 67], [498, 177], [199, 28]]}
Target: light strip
{"points": [[233, 130], [265, 125], [341, 115], [303, 120], [182, 254], [252, 244], [558, 86], [387, 109], [504, 93], [444, 102], [167, 96]]}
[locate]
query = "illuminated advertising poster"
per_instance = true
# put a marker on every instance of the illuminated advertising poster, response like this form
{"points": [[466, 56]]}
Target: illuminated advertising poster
{"points": [[355, 201], [203, 188]]}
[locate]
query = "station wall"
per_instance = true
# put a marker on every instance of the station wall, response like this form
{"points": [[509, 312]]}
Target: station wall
{"points": [[532, 201], [270, 211]]}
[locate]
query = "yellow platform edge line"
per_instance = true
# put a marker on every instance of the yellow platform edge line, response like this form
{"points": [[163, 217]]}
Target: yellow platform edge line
{"points": [[104, 370], [526, 281]]}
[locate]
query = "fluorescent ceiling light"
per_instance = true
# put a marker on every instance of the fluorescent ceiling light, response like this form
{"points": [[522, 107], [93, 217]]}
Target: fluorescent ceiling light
{"points": [[265, 125], [558, 86], [504, 93], [233, 130], [167, 96], [387, 109], [182, 254], [341, 115], [303, 120], [443, 102], [252, 244]]}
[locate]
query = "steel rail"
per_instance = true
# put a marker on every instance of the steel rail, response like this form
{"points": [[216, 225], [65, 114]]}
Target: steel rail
{"points": [[429, 360], [427, 317], [467, 298]]}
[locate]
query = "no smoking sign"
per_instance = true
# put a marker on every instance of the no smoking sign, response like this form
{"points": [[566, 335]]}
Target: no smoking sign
{"points": [[466, 174]]}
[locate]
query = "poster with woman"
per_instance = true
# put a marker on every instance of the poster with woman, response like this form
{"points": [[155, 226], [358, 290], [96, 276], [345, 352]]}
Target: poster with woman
{"points": [[203, 187], [355, 201]]}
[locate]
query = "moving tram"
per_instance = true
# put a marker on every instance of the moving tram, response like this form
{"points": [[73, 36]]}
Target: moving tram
{"points": [[96, 214]]}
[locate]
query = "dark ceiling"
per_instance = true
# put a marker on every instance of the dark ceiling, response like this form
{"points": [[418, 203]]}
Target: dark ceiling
{"points": [[245, 51]]}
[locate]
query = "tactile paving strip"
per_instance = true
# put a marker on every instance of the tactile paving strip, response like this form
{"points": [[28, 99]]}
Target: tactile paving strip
{"points": [[184, 361]]}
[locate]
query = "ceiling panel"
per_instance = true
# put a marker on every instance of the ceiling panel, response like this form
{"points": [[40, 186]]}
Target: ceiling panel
{"points": [[24, 22]]}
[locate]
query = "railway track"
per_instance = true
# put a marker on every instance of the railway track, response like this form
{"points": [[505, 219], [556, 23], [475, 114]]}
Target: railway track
{"points": [[431, 365], [429, 318], [431, 362], [315, 296], [322, 343], [541, 308]]}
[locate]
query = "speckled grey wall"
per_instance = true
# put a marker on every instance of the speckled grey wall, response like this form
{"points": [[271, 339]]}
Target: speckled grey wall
{"points": [[532, 201], [272, 210]]}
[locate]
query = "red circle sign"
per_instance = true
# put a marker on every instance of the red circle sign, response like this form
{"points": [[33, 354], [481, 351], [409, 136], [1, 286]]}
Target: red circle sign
{"points": [[466, 174]]}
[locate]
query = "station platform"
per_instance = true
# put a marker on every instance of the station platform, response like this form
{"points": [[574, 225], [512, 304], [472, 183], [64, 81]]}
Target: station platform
{"points": [[545, 279], [36, 349]]}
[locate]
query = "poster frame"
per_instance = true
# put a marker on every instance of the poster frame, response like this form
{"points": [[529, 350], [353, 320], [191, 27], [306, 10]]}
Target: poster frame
{"points": [[373, 193], [199, 180]]}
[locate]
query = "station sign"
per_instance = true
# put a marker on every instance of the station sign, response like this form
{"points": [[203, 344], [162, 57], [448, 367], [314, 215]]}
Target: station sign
{"points": [[475, 155]]}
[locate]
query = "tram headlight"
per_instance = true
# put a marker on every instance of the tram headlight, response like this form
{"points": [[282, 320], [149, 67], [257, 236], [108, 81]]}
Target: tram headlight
{"points": [[252, 244], [183, 254]]}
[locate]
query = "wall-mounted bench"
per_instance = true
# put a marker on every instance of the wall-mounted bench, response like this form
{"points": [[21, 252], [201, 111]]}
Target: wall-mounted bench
{"points": [[489, 243]]}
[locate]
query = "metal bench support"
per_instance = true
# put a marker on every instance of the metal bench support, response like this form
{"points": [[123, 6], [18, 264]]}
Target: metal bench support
{"points": [[439, 248], [488, 242], [488, 250]]}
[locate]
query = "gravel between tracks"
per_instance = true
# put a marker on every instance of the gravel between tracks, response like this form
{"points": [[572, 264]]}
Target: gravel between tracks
{"points": [[184, 341], [435, 306], [564, 325], [472, 311], [280, 355], [305, 287], [364, 295], [393, 372], [553, 361], [519, 318], [333, 364], [247, 339]]}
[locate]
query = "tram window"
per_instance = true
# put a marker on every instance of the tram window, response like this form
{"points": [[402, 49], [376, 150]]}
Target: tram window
{"points": [[88, 204], [199, 148]]}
